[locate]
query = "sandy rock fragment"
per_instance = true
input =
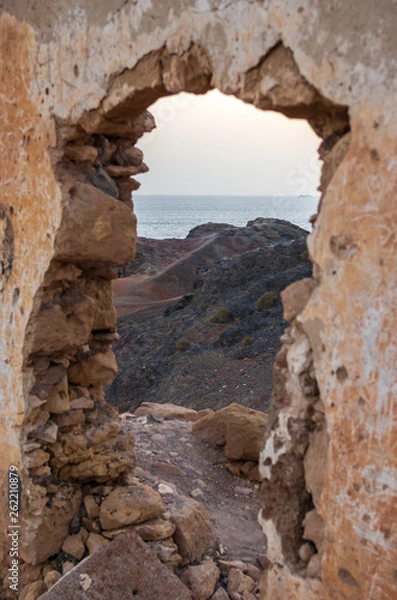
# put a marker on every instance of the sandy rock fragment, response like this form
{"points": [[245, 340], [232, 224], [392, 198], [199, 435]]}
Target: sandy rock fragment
{"points": [[95, 542], [220, 594], [138, 571], [133, 504], [227, 565], [67, 566], [194, 533], [201, 580], [33, 591], [96, 369], [44, 535], [314, 566], [64, 323], [91, 506], [167, 551], [248, 596], [296, 296], [74, 545], [314, 529], [166, 411], [82, 152], [51, 578], [239, 428], [95, 228], [253, 571], [155, 529], [104, 313], [237, 582]]}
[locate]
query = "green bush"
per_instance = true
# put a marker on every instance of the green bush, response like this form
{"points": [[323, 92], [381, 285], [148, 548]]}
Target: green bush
{"points": [[182, 345], [222, 315], [265, 301], [248, 340]]}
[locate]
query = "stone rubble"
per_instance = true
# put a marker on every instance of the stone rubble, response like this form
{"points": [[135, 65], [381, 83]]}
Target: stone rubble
{"points": [[177, 529]]}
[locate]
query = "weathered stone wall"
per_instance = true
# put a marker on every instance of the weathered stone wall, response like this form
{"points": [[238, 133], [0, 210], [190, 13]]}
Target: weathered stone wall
{"points": [[76, 80]]}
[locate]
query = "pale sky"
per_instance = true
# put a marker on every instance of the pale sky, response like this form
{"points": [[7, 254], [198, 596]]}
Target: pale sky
{"points": [[216, 144]]}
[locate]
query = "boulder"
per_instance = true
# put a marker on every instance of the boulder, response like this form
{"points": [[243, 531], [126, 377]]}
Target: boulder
{"points": [[239, 428], [201, 580], [43, 535], [95, 228], [237, 582], [96, 369], [133, 504], [166, 411], [296, 296], [140, 575], [63, 323], [194, 532], [155, 529], [74, 545]]}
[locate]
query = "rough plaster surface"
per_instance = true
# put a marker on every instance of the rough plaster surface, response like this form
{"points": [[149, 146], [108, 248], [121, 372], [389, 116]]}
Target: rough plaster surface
{"points": [[68, 63]]}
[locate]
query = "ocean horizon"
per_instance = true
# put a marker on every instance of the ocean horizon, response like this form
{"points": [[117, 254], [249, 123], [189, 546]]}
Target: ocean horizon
{"points": [[173, 216]]}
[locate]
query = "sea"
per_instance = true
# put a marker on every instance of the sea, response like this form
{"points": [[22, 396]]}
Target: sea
{"points": [[162, 217]]}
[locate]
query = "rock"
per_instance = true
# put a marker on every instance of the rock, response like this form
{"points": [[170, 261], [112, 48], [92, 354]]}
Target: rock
{"points": [[95, 542], [45, 433], [36, 458], [140, 575], [104, 314], [237, 582], [194, 533], [314, 529], [296, 296], [33, 591], [167, 551], [92, 525], [82, 403], [220, 594], [91, 507], [81, 152], [154, 529], [58, 401], [253, 571], [97, 369], [201, 580], [241, 429], [63, 323], [43, 535], [226, 565], [306, 551], [51, 578], [118, 171], [103, 181], [132, 504], [73, 417], [166, 411], [248, 596], [314, 566], [95, 228], [74, 545], [100, 453], [67, 566]]}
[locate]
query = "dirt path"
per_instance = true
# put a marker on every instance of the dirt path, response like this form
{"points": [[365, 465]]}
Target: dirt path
{"points": [[168, 453]]}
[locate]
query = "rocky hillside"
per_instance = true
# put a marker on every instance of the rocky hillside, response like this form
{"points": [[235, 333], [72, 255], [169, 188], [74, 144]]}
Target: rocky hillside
{"points": [[201, 318]]}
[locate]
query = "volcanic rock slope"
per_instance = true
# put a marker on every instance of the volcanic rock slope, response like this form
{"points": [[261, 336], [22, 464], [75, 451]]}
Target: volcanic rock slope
{"points": [[216, 342]]}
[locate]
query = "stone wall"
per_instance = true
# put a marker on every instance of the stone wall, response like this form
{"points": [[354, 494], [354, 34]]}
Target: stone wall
{"points": [[77, 79]]}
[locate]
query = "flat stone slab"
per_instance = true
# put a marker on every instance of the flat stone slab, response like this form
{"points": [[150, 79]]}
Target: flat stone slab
{"points": [[125, 569]]}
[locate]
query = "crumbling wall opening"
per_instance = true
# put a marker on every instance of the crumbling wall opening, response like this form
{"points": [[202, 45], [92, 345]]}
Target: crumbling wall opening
{"points": [[71, 440]]}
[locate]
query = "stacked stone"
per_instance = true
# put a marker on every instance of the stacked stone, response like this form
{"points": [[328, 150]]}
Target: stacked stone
{"points": [[71, 439]]}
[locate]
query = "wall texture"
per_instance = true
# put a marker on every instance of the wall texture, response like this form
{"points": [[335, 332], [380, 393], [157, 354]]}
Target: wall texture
{"points": [[77, 78]]}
